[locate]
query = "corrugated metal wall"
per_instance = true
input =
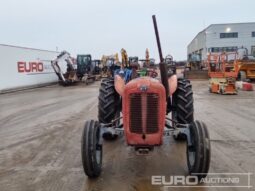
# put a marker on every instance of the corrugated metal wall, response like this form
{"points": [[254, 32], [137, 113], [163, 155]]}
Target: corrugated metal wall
{"points": [[244, 31], [210, 37]]}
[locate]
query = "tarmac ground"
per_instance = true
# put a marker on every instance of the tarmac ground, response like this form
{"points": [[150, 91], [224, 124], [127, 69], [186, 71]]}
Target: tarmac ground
{"points": [[40, 142]]}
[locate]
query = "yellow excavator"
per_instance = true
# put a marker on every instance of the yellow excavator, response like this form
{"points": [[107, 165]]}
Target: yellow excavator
{"points": [[147, 62], [124, 59], [147, 57], [108, 62]]}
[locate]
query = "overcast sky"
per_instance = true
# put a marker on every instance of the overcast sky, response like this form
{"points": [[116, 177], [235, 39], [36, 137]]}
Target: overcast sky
{"points": [[105, 26]]}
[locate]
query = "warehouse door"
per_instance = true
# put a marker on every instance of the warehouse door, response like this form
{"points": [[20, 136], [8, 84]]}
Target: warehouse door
{"points": [[253, 50]]}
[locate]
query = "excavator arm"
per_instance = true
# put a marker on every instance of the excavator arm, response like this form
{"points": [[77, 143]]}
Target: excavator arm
{"points": [[64, 55], [124, 58]]}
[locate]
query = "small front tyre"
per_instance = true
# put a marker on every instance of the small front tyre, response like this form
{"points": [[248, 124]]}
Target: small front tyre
{"points": [[199, 150], [91, 149]]}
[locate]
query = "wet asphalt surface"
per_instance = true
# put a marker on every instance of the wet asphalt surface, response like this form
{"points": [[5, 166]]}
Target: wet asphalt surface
{"points": [[40, 134]]}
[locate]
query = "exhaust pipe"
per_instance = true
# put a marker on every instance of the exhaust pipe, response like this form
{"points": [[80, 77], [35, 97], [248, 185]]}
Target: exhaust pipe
{"points": [[162, 64]]}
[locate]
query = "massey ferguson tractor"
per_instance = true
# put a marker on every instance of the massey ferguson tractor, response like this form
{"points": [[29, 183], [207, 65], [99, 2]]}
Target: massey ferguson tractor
{"points": [[139, 108]]}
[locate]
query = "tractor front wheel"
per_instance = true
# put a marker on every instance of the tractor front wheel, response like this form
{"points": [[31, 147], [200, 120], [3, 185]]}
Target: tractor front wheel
{"points": [[91, 149], [199, 150]]}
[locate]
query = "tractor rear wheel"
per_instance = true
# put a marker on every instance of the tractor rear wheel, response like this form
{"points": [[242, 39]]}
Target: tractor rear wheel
{"points": [[183, 109], [91, 149], [199, 151], [108, 105]]}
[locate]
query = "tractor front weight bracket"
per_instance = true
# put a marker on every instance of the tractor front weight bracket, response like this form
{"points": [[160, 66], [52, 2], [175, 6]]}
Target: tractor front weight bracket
{"points": [[185, 131]]}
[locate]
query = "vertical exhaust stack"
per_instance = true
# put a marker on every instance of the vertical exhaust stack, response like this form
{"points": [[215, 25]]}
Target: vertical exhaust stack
{"points": [[162, 64]]}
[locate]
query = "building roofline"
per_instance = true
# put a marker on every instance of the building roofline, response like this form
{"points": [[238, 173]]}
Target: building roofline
{"points": [[28, 48], [233, 23], [198, 34], [218, 24]]}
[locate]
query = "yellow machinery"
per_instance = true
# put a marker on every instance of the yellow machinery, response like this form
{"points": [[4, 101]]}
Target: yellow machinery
{"points": [[147, 57], [147, 61], [107, 62], [246, 69], [124, 58], [244, 65], [113, 56]]}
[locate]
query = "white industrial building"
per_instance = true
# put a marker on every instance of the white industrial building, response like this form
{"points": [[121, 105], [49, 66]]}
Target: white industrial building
{"points": [[22, 67], [222, 37]]}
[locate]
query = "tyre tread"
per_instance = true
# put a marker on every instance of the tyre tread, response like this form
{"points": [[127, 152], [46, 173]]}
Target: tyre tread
{"points": [[107, 101]]}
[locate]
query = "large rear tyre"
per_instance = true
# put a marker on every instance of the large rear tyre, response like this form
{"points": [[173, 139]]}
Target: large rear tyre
{"points": [[91, 149], [183, 109], [109, 104], [199, 152]]}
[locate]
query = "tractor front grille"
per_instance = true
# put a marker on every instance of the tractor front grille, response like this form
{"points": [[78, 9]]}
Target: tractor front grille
{"points": [[136, 113], [144, 113], [152, 113]]}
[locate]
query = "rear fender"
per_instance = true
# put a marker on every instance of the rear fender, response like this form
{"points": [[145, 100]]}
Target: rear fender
{"points": [[172, 82], [119, 84]]}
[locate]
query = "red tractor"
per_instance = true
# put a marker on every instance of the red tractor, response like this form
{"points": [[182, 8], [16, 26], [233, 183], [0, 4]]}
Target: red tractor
{"points": [[143, 104]]}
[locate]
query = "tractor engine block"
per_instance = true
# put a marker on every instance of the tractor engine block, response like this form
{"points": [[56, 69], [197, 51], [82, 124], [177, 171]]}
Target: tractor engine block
{"points": [[144, 110]]}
